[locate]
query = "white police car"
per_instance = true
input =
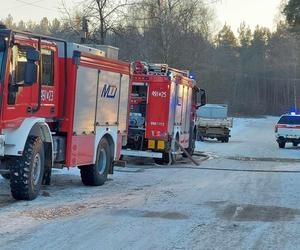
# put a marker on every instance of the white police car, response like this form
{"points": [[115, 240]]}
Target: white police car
{"points": [[288, 130]]}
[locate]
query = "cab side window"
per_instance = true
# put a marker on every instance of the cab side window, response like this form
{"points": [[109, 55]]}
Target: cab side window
{"points": [[47, 57], [17, 72], [17, 67], [21, 62]]}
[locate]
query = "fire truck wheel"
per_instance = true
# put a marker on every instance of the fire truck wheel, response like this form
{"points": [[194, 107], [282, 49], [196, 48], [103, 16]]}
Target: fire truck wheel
{"points": [[192, 146], [96, 174], [26, 172], [281, 144], [165, 160]]}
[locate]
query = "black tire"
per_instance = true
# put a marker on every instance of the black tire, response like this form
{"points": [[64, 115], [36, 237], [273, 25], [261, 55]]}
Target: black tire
{"points": [[281, 144], [26, 172], [165, 160], [200, 137], [226, 139], [96, 174], [192, 145], [6, 176], [168, 158], [295, 144]]}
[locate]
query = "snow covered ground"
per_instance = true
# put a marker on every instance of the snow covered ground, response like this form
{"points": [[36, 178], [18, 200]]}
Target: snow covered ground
{"points": [[252, 138], [246, 196]]}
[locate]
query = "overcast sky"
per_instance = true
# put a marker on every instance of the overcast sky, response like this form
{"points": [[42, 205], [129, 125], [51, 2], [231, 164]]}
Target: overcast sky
{"points": [[233, 12], [253, 12]]}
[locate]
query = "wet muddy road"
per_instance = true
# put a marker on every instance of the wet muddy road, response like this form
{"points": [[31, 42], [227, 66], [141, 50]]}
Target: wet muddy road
{"points": [[245, 196]]}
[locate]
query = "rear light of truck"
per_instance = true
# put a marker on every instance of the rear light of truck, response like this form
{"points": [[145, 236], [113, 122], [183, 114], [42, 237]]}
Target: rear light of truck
{"points": [[151, 144], [161, 145], [156, 144]]}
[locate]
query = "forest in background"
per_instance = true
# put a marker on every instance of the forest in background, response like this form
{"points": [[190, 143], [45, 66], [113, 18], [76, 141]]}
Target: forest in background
{"points": [[255, 72]]}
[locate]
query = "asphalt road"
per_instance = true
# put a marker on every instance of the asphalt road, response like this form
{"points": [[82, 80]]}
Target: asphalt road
{"points": [[245, 196]]}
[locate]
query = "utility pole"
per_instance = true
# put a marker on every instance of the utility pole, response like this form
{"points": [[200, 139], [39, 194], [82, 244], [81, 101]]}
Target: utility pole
{"points": [[295, 96], [84, 30], [295, 72]]}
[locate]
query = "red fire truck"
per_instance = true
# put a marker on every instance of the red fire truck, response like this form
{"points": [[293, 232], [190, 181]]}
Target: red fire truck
{"points": [[62, 105], [162, 111]]}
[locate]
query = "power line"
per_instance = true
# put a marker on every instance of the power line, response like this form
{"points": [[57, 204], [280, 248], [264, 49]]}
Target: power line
{"points": [[212, 2], [21, 5], [37, 6]]}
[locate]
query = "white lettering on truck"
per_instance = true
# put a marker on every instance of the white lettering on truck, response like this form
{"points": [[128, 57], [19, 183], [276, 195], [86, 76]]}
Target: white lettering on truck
{"points": [[47, 95], [159, 94]]}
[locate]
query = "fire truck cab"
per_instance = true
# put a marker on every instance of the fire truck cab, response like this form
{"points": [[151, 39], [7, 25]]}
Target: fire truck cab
{"points": [[163, 107], [62, 105]]}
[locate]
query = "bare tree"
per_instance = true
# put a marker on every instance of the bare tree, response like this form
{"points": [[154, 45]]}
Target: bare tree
{"points": [[255, 72], [102, 16], [168, 21]]}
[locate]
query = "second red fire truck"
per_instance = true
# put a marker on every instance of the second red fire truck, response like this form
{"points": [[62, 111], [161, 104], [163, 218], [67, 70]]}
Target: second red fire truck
{"points": [[163, 107]]}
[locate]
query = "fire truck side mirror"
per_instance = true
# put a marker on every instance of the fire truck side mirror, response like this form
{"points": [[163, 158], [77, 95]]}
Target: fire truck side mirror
{"points": [[31, 67], [201, 98], [30, 73], [32, 55], [2, 44]]}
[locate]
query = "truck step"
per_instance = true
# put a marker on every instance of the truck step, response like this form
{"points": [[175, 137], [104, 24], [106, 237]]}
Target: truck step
{"points": [[139, 153]]}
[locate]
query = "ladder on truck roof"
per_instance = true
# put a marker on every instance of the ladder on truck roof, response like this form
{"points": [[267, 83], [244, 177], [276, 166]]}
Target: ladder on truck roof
{"points": [[159, 69], [185, 73]]}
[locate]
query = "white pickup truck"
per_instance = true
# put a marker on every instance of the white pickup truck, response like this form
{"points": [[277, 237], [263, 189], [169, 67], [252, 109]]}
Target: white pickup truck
{"points": [[288, 130], [212, 122]]}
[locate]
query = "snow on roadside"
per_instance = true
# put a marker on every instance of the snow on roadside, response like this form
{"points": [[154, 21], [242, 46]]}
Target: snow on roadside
{"points": [[251, 137]]}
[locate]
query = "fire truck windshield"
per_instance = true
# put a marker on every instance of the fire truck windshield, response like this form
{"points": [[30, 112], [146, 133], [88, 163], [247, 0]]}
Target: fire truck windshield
{"points": [[3, 42]]}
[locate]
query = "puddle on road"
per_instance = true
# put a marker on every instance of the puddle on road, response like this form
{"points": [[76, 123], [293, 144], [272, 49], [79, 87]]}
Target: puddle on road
{"points": [[259, 213], [169, 215], [250, 212]]}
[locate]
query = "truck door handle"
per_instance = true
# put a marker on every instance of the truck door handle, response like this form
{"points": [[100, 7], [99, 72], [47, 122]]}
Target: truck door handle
{"points": [[29, 109]]}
